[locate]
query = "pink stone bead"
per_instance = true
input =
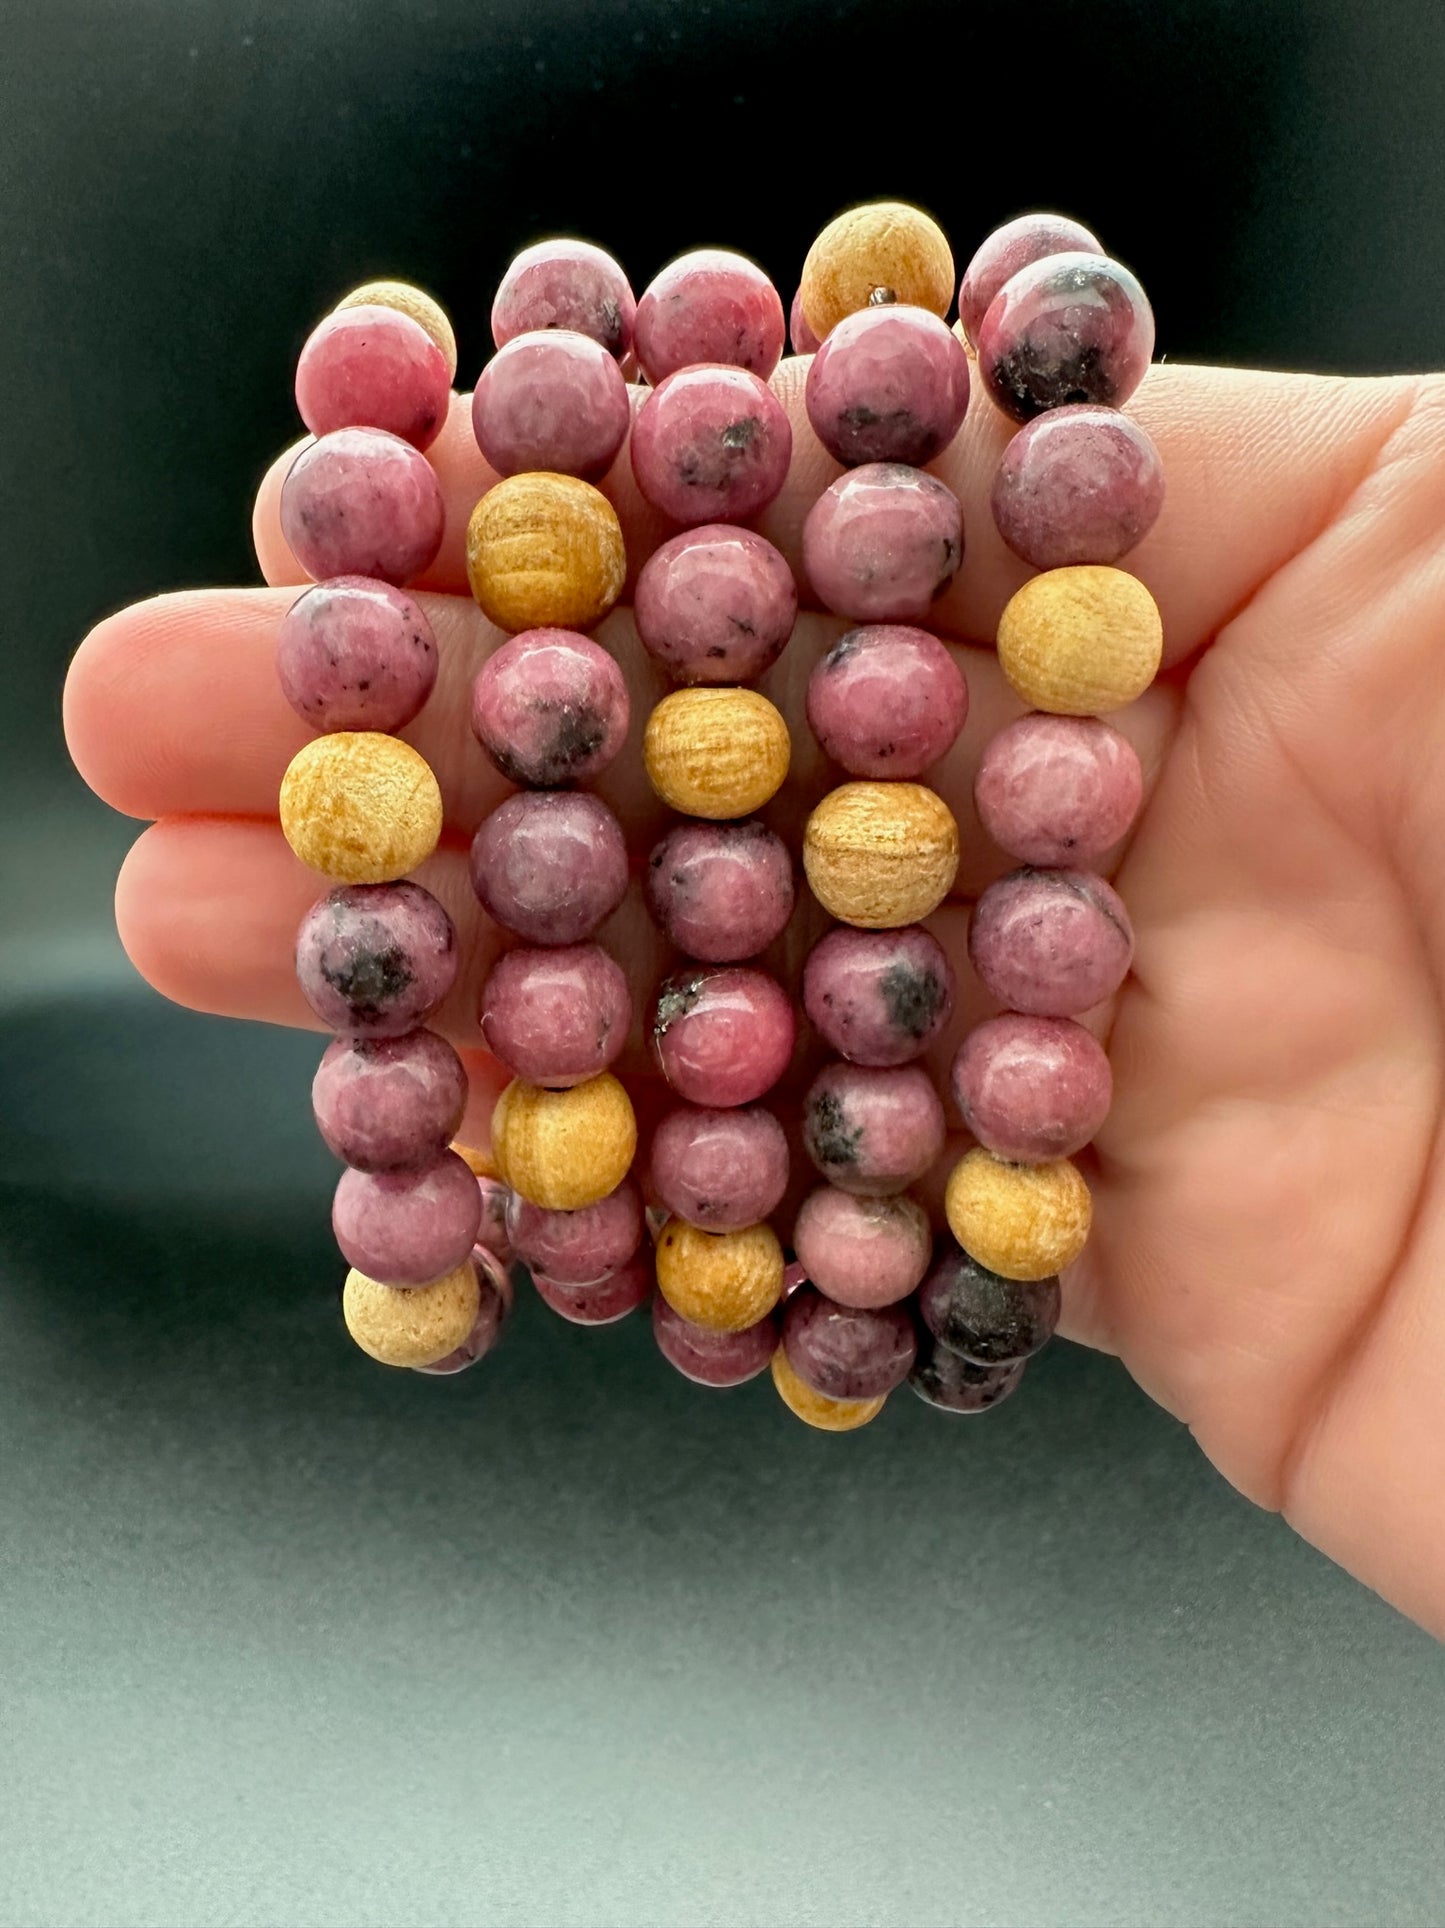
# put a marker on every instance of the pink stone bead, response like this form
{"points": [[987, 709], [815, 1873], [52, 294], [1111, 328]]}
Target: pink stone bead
{"points": [[720, 1170], [1057, 790], [862, 1251], [371, 367], [1032, 1089], [486, 1330], [804, 341], [360, 502], [1068, 328], [604, 1303], [565, 284], [878, 997], [407, 1228], [721, 891], [882, 543], [711, 444], [890, 384], [848, 1352], [356, 654], [492, 1232], [871, 1130], [376, 959], [558, 1016], [550, 707], [582, 1247], [715, 604], [722, 1037], [1051, 942], [992, 1320], [1017, 244], [389, 1104], [709, 306], [554, 399], [1078, 484], [550, 866], [887, 701], [713, 1358]]}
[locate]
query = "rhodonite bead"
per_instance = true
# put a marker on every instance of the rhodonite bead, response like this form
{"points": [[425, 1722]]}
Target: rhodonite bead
{"points": [[953, 1384], [389, 1104], [545, 550], [725, 1281], [722, 1037], [711, 444], [815, 1408], [709, 306], [550, 865], [553, 399], [360, 502], [880, 854], [864, 1252], [991, 1320], [887, 701], [721, 1170], [565, 284], [1015, 245], [356, 654], [1058, 789], [557, 1016], [1031, 1089], [882, 543], [878, 997], [492, 1232], [882, 251], [844, 1351], [605, 1300], [361, 807], [890, 384], [564, 1149], [1051, 942], [408, 1228], [1079, 484], [373, 367], [716, 753], [872, 1131], [712, 1358], [801, 336], [486, 1329], [577, 1248], [715, 604], [416, 303], [1080, 641], [721, 891], [1023, 1221], [376, 959], [1070, 327], [412, 1325], [550, 707]]}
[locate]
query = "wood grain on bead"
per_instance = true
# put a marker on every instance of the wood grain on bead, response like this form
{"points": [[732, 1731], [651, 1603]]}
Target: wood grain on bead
{"points": [[564, 1149], [723, 1281], [1021, 1221], [411, 301], [416, 1325], [815, 1408], [716, 753], [361, 807], [545, 550], [1081, 641], [883, 245], [881, 854]]}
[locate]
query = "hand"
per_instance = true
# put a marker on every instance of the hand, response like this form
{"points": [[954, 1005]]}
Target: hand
{"points": [[1269, 1247]]}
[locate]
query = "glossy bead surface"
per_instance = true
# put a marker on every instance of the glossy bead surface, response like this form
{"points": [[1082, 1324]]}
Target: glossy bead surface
{"points": [[356, 654], [604, 1302], [1031, 1088], [554, 399], [952, 1384], [815, 1408], [722, 1037], [1051, 942], [716, 753], [1058, 790], [556, 1016], [715, 604], [1080, 641], [376, 959], [550, 866], [373, 367], [864, 1252], [887, 701], [565, 283], [360, 502], [545, 550], [890, 384], [711, 444], [1068, 328], [800, 335], [880, 854], [564, 1149], [1023, 1221], [721, 1170], [878, 997], [847, 1352], [1015, 245], [407, 1228], [415, 302], [577, 1248], [712, 1358], [412, 1325], [550, 707], [709, 306], [872, 1131], [492, 1232], [887, 249], [721, 891], [882, 543], [724, 1281], [991, 1320], [389, 1104], [1078, 484]]}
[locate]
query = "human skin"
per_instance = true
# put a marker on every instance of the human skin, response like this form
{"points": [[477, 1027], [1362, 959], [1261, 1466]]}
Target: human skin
{"points": [[1280, 1043]]}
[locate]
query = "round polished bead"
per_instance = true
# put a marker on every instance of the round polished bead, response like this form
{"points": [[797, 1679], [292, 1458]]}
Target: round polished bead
{"points": [[360, 502], [554, 399], [716, 753], [721, 1170], [815, 1408], [558, 1016], [878, 997], [712, 1358], [360, 806], [1058, 789], [565, 284], [550, 866], [550, 707], [412, 1325], [1015, 245], [715, 604], [1023, 1221], [1080, 641], [376, 959], [844, 1351], [1051, 942], [545, 550], [373, 367], [880, 854], [952, 1384], [486, 1328], [862, 1251], [800, 335], [564, 1149], [884, 251], [982, 1316], [722, 1037], [872, 1131], [711, 444], [882, 543], [414, 302], [577, 1248], [492, 1232], [725, 1281], [1079, 484], [721, 891], [709, 306], [1070, 327], [890, 384], [1030, 1088], [408, 1228], [356, 654], [389, 1104], [887, 701], [603, 1302]]}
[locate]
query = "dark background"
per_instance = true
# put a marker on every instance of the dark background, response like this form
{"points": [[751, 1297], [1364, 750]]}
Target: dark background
{"points": [[286, 1639]]}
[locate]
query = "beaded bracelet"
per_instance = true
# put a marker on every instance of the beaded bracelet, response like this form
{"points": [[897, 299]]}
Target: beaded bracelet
{"points": [[862, 1298]]}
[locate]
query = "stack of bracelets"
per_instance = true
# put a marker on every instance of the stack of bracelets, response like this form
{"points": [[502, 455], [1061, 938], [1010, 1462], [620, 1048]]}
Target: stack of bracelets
{"points": [[860, 1297]]}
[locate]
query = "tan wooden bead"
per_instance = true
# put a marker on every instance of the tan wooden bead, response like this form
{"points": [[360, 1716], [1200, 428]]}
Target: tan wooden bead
{"points": [[361, 807], [718, 753], [815, 1408], [1021, 1221], [564, 1149], [881, 854], [722, 1280], [407, 300], [885, 245], [545, 550], [411, 1325], [1081, 641]]}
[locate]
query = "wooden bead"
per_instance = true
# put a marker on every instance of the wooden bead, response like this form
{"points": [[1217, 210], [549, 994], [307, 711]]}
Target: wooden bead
{"points": [[881, 854], [564, 1149], [545, 551], [885, 245], [481, 1164], [815, 1408], [716, 753], [1081, 641], [721, 1280], [361, 807], [408, 300], [411, 1325], [1021, 1221]]}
